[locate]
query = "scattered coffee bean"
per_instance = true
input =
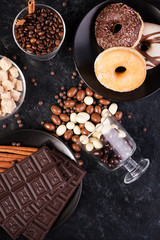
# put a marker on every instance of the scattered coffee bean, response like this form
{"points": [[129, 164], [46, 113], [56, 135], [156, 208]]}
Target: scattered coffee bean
{"points": [[16, 115], [14, 57], [70, 49], [35, 84], [19, 121], [80, 162], [55, 119], [118, 115], [24, 67], [18, 144], [49, 126], [4, 126], [20, 125], [129, 116], [33, 80], [56, 110], [40, 103], [72, 92], [97, 96], [13, 143], [42, 122], [64, 4], [89, 92], [77, 155], [52, 73], [74, 73], [144, 129], [62, 88], [76, 147], [56, 96]]}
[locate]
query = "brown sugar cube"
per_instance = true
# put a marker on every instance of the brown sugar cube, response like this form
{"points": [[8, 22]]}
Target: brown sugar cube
{"points": [[15, 95], [14, 72], [3, 75], [8, 85], [5, 63], [8, 105], [18, 85]]}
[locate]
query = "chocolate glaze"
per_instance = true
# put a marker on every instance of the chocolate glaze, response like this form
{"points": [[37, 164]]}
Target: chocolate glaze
{"points": [[117, 25], [154, 61]]}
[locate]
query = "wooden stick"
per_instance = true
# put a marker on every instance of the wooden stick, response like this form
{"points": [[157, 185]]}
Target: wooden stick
{"points": [[20, 152], [6, 164], [2, 170], [12, 156], [29, 149], [19, 22]]}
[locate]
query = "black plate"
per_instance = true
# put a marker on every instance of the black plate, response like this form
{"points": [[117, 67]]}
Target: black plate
{"points": [[86, 50], [36, 138]]}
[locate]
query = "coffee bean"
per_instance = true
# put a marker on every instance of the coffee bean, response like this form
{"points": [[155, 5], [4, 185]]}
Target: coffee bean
{"points": [[24, 67], [75, 138], [80, 95], [13, 143], [144, 129], [55, 119], [77, 155], [33, 80], [16, 115], [42, 122], [68, 134], [70, 103], [56, 96], [52, 73], [20, 125], [129, 116], [89, 92], [64, 4], [76, 147], [62, 88], [19, 121], [118, 115], [40, 103], [64, 117], [98, 109], [97, 96], [90, 109], [49, 126], [56, 110], [104, 101], [80, 162], [95, 117], [81, 107], [35, 84], [4, 126], [72, 92]]}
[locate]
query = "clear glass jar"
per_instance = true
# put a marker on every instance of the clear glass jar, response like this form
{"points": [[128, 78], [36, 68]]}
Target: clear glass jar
{"points": [[23, 93], [47, 56], [113, 147]]}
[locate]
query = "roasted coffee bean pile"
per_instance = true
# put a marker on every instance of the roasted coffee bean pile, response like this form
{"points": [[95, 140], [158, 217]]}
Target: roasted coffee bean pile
{"points": [[106, 154], [41, 33], [71, 102]]}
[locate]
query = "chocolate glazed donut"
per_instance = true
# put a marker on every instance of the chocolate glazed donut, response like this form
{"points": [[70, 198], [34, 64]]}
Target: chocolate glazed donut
{"points": [[118, 25]]}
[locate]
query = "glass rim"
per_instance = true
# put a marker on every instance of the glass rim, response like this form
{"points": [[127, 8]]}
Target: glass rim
{"points": [[39, 5], [23, 93]]}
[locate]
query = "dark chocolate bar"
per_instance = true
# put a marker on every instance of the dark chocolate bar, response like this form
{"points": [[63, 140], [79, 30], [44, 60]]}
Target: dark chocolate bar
{"points": [[38, 229], [24, 189]]}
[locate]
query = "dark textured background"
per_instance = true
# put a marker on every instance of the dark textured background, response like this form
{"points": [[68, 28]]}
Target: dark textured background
{"points": [[108, 209]]}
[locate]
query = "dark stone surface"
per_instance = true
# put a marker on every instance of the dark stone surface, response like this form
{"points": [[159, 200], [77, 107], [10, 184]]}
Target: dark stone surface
{"points": [[108, 209]]}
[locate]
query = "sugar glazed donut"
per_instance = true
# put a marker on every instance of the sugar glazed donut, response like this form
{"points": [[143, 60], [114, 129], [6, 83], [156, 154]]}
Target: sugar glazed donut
{"points": [[121, 69], [149, 45], [118, 25]]}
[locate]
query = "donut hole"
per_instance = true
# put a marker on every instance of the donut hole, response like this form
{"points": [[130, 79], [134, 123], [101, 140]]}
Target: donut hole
{"points": [[120, 69], [144, 46], [116, 28]]}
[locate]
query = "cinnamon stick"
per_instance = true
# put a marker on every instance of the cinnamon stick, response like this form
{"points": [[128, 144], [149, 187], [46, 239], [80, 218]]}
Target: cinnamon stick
{"points": [[12, 156], [6, 159], [31, 6], [19, 22], [27, 149], [20, 152], [6, 164], [2, 170]]}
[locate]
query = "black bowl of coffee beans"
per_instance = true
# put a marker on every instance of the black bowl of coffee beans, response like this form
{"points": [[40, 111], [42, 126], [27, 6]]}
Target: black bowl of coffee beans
{"points": [[42, 33]]}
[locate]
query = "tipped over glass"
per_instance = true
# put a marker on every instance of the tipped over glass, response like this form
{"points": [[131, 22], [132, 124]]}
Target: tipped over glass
{"points": [[113, 148]]}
